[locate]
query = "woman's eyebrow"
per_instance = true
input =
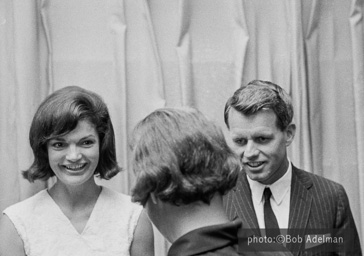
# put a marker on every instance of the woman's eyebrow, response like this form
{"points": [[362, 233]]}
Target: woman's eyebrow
{"points": [[57, 138], [88, 136]]}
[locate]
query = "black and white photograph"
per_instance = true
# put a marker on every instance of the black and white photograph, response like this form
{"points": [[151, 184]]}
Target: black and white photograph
{"points": [[181, 127]]}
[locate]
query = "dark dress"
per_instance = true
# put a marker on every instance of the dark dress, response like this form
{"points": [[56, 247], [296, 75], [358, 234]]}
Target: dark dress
{"points": [[211, 240]]}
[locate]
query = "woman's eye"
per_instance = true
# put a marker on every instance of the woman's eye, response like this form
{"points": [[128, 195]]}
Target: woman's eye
{"points": [[57, 145], [87, 142]]}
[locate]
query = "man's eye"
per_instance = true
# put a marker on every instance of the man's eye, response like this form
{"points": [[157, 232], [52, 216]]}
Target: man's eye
{"points": [[240, 141], [262, 139]]}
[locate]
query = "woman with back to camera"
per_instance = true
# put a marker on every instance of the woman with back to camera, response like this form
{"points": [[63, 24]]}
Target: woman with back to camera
{"points": [[183, 168], [72, 138]]}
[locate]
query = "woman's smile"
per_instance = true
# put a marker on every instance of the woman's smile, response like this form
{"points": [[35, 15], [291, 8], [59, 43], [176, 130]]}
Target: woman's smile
{"points": [[75, 167], [74, 157]]}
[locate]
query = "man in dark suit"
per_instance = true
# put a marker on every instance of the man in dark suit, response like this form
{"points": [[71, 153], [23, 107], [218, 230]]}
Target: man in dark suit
{"points": [[272, 195]]}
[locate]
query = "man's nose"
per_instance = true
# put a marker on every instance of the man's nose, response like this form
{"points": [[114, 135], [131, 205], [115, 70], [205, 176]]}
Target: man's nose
{"points": [[251, 150]]}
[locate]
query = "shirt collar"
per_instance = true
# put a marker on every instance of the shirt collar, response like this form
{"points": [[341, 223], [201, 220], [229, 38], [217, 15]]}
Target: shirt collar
{"points": [[279, 188]]}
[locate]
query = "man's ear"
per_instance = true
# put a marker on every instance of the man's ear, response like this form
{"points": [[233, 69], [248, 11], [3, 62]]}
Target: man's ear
{"points": [[153, 197], [290, 132]]}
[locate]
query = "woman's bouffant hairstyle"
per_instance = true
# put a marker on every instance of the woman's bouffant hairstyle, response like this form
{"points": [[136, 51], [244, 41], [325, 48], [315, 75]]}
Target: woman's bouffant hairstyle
{"points": [[181, 157], [59, 114], [258, 95]]}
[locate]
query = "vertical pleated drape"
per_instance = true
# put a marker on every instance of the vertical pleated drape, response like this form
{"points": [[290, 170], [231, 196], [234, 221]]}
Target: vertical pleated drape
{"points": [[141, 55], [22, 87]]}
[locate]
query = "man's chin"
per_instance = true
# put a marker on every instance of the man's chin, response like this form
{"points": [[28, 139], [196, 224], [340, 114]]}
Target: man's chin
{"points": [[258, 176]]}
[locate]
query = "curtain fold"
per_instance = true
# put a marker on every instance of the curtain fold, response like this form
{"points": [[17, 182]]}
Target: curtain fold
{"points": [[9, 190], [183, 50], [301, 147], [140, 55], [310, 22], [357, 40], [20, 93], [239, 40], [118, 27]]}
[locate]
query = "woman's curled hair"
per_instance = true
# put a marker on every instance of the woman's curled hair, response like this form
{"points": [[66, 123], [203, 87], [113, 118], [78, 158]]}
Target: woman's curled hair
{"points": [[182, 157], [59, 114]]}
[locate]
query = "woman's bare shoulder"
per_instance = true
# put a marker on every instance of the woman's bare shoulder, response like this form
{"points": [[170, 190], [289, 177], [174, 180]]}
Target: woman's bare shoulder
{"points": [[10, 242]]}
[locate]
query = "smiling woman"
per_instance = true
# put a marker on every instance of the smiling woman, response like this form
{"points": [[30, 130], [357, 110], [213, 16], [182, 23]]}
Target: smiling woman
{"points": [[72, 138], [60, 114], [74, 156]]}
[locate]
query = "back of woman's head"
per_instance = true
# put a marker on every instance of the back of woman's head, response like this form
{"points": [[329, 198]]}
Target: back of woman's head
{"points": [[59, 114], [181, 157]]}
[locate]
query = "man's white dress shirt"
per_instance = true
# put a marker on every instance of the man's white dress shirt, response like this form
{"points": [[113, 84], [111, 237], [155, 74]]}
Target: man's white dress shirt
{"points": [[280, 199]]}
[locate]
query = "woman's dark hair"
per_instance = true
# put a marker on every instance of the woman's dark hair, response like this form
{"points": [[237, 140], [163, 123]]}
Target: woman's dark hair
{"points": [[181, 157], [59, 114]]}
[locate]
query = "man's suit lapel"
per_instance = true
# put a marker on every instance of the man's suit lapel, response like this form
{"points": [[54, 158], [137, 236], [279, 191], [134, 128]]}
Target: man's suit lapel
{"points": [[300, 207], [244, 205]]}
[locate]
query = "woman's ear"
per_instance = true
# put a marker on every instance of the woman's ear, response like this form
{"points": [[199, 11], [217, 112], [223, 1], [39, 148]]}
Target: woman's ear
{"points": [[290, 132], [154, 198]]}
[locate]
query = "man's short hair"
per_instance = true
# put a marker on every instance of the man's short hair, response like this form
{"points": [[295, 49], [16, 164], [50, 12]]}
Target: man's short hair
{"points": [[182, 157], [58, 115], [258, 95]]}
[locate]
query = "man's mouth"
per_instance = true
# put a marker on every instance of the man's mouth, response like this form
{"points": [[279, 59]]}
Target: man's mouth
{"points": [[254, 164]]}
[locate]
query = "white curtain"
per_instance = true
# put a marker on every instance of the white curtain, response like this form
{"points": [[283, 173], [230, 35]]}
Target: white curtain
{"points": [[140, 55]]}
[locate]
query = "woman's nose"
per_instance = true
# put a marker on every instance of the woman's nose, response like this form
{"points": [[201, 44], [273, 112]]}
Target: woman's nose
{"points": [[73, 153]]}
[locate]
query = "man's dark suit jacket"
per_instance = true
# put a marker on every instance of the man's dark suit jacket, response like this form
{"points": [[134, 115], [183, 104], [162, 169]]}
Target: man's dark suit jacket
{"points": [[316, 203]]}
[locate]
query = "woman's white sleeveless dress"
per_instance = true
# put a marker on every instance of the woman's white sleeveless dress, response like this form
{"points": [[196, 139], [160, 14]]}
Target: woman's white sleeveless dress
{"points": [[46, 231]]}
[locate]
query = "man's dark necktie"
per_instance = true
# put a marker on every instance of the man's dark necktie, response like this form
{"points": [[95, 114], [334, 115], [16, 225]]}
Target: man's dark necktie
{"points": [[271, 224]]}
